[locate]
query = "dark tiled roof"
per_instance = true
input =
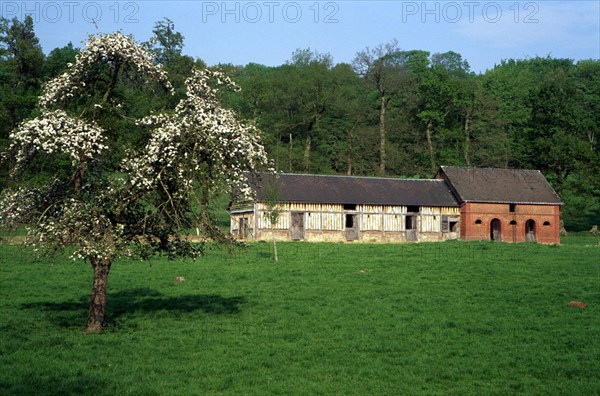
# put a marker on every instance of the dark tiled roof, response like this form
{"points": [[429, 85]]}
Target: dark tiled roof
{"points": [[499, 185], [355, 190]]}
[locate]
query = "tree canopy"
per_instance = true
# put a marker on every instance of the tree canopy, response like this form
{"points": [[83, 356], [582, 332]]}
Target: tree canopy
{"points": [[392, 111]]}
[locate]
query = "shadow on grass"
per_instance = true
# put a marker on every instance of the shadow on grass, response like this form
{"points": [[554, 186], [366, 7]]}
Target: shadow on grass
{"points": [[134, 302], [56, 385]]}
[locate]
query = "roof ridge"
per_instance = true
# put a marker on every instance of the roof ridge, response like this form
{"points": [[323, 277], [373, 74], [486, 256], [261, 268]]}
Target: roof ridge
{"points": [[489, 168], [359, 177], [337, 189], [500, 185]]}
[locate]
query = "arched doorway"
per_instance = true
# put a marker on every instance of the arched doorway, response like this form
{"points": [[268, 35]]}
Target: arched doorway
{"points": [[495, 234], [530, 231]]}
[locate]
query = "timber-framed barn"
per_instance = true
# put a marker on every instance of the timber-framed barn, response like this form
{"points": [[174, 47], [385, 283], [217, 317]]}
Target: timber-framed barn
{"points": [[459, 203]]}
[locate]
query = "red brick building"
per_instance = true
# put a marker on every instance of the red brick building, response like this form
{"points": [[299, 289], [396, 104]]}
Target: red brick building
{"points": [[511, 205]]}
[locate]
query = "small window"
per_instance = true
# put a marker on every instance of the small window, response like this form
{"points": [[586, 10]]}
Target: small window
{"points": [[453, 226], [478, 221], [412, 209], [546, 223], [349, 206], [513, 223], [512, 208]]}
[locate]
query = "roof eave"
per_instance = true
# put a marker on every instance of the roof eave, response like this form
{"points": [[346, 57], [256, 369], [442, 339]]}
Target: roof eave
{"points": [[453, 205], [513, 202]]}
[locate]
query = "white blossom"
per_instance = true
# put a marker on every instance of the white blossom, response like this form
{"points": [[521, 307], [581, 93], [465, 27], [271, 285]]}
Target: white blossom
{"points": [[200, 134], [17, 207], [199, 143], [115, 48], [57, 132]]}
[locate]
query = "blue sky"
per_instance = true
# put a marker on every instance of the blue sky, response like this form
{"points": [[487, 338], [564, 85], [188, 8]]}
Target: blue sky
{"points": [[267, 32]]}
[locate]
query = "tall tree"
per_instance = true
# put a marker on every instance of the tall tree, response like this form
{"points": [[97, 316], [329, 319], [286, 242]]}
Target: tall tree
{"points": [[312, 94], [58, 60], [485, 141], [161, 186], [552, 142], [21, 66], [166, 43], [452, 62], [437, 91], [379, 66], [23, 46], [21, 69]]}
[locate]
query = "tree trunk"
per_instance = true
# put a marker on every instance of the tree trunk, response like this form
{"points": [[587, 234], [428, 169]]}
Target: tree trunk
{"points": [[290, 154], [382, 136], [111, 86], [467, 140], [275, 256], [350, 142], [591, 138], [307, 147], [78, 177], [430, 146], [96, 313]]}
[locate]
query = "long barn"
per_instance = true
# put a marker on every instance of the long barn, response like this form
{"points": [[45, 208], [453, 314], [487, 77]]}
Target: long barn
{"points": [[350, 208]]}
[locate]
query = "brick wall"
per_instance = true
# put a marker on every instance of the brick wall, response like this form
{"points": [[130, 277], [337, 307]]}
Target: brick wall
{"points": [[476, 219]]}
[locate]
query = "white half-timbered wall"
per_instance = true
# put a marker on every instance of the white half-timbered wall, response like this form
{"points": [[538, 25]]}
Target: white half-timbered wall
{"points": [[331, 217]]}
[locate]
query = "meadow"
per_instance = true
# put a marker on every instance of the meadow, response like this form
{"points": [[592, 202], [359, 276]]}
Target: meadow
{"points": [[429, 318]]}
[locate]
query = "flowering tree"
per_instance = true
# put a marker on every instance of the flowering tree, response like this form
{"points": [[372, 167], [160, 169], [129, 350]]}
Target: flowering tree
{"points": [[141, 204]]}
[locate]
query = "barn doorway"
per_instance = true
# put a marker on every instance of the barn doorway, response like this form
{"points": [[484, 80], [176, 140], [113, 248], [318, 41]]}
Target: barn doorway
{"points": [[495, 234], [411, 227], [297, 226], [530, 231], [243, 228], [351, 227]]}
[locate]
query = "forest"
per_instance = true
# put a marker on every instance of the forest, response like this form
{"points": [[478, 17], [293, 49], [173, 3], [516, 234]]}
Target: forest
{"points": [[390, 112]]}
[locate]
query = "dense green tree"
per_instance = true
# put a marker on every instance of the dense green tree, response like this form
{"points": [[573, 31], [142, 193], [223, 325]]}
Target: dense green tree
{"points": [[290, 103], [58, 59], [166, 43], [21, 71], [379, 67], [167, 46], [24, 52], [484, 139], [550, 109], [21, 76], [452, 62]]}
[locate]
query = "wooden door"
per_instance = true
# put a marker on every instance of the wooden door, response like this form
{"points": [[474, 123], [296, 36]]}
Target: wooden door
{"points": [[411, 228], [243, 228], [297, 226], [495, 234], [351, 227], [530, 231]]}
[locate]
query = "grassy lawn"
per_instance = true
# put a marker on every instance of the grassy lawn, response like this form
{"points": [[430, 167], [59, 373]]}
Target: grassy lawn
{"points": [[430, 318]]}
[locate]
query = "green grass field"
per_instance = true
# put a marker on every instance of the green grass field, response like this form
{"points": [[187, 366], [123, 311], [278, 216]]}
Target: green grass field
{"points": [[430, 318]]}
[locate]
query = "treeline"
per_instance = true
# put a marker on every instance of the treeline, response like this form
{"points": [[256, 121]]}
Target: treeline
{"points": [[390, 112]]}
